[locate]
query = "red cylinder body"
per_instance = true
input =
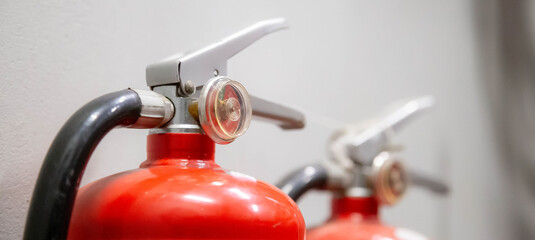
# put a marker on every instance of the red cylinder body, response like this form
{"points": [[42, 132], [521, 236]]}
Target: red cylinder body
{"points": [[357, 219], [181, 193]]}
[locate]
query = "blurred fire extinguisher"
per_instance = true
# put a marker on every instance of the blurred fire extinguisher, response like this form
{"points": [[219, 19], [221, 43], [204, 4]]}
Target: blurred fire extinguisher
{"points": [[363, 174], [179, 192]]}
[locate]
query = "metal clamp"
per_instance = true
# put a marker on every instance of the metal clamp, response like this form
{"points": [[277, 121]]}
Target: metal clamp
{"points": [[156, 110]]}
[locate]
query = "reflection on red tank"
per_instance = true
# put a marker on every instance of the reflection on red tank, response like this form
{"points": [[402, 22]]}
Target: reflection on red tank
{"points": [[357, 219], [181, 193]]}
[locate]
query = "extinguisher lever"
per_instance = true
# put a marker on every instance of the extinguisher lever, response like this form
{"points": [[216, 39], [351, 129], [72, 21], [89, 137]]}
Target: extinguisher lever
{"points": [[429, 182], [405, 113], [199, 66], [223, 50], [364, 145], [284, 117], [179, 78]]}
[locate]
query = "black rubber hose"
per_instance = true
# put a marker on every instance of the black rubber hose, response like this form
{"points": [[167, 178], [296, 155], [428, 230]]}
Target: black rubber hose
{"points": [[304, 179], [53, 197]]}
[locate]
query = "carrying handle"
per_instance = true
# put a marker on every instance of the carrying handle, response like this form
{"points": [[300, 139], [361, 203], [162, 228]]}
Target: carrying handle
{"points": [[428, 182], [284, 117]]}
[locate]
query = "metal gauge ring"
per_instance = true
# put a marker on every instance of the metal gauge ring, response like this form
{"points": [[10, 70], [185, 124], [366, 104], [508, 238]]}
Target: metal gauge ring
{"points": [[225, 110], [389, 178]]}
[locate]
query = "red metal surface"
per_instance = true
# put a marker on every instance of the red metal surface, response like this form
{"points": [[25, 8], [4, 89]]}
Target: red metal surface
{"points": [[181, 193], [357, 219]]}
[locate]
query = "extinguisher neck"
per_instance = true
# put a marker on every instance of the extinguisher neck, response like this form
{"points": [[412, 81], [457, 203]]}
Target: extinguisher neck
{"points": [[365, 207], [180, 149]]}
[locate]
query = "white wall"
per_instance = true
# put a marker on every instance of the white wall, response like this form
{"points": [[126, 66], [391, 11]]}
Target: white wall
{"points": [[340, 62]]}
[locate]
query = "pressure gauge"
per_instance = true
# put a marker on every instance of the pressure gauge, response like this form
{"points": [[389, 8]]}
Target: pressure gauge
{"points": [[389, 178], [224, 109]]}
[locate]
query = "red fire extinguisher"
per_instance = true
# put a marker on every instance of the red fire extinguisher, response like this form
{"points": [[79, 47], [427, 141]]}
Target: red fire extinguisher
{"points": [[363, 174], [179, 192]]}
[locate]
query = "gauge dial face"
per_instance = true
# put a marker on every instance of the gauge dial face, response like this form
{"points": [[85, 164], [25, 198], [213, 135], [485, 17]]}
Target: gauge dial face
{"points": [[396, 179], [225, 109], [389, 178]]}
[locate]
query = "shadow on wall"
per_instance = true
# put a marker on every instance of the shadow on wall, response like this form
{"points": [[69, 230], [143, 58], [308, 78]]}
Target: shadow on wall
{"points": [[507, 52]]}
